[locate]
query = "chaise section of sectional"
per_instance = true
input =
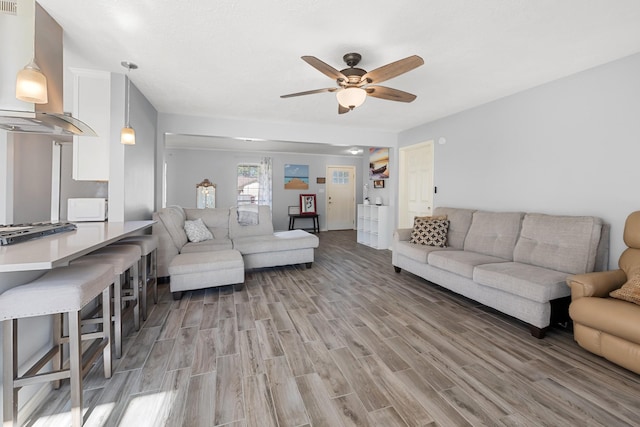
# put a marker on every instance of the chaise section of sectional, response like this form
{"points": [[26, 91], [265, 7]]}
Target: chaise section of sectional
{"points": [[276, 249], [250, 234]]}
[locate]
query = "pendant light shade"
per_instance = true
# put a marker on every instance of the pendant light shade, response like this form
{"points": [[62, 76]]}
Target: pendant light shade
{"points": [[31, 84], [127, 134], [351, 97]]}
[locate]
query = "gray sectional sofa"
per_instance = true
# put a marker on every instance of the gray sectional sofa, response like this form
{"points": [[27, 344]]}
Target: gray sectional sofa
{"points": [[258, 244], [514, 262]]}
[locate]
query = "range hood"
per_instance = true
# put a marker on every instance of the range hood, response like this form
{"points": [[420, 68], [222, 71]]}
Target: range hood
{"points": [[28, 32]]}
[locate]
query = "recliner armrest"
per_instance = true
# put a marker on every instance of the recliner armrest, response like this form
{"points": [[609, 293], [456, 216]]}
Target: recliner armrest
{"points": [[402, 234], [597, 284]]}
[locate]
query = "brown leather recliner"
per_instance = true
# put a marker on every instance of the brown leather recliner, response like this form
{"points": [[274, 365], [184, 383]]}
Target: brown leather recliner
{"points": [[606, 326]]}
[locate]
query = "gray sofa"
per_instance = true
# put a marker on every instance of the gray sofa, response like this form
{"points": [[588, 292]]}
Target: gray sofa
{"points": [[258, 244], [514, 262]]}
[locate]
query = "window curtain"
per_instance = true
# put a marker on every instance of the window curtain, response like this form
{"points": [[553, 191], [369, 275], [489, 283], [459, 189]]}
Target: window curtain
{"points": [[266, 181]]}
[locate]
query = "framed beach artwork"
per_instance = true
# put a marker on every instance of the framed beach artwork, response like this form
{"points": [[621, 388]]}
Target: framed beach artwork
{"points": [[296, 177], [378, 163]]}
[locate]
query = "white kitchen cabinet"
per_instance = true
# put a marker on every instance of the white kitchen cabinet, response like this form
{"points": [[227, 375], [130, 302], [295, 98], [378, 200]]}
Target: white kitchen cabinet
{"points": [[92, 105], [373, 226]]}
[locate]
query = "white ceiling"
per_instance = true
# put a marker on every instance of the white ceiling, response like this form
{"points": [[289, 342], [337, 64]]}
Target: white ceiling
{"points": [[232, 58]]}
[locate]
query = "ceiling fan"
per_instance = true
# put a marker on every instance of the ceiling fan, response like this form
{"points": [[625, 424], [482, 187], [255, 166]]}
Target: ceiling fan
{"points": [[354, 84]]}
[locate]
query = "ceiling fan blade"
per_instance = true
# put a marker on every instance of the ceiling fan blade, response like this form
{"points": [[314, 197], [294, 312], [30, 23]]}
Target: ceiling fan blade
{"points": [[393, 69], [383, 92], [342, 110], [310, 92], [324, 68]]}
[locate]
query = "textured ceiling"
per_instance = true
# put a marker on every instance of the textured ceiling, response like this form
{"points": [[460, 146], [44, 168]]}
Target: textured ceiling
{"points": [[232, 58]]}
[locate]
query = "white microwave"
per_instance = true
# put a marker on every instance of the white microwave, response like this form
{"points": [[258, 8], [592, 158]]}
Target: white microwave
{"points": [[88, 209]]}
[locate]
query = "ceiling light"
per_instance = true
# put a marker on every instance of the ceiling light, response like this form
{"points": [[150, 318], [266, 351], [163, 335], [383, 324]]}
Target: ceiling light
{"points": [[127, 134], [31, 84], [351, 97], [355, 151]]}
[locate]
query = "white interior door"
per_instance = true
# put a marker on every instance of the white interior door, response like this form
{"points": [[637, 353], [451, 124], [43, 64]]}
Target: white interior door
{"points": [[416, 183], [341, 197]]}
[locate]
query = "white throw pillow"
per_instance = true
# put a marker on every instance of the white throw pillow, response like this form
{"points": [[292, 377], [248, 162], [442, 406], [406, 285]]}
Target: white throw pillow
{"points": [[197, 231]]}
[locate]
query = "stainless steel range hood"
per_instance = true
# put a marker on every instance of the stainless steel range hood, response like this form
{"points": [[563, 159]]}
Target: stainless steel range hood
{"points": [[28, 32]]}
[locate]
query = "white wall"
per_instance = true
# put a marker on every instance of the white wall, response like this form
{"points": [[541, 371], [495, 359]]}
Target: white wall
{"points": [[131, 167], [297, 132], [140, 160], [567, 147], [186, 168]]}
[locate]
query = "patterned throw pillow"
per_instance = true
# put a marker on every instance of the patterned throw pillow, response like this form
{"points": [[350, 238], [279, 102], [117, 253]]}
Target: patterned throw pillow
{"points": [[430, 232], [630, 291], [197, 231]]}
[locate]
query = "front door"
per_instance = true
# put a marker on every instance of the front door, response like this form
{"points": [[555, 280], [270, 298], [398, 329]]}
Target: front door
{"points": [[416, 183], [341, 197]]}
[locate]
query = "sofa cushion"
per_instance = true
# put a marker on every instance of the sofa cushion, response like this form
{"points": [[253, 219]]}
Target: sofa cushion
{"points": [[494, 233], [197, 231], [528, 281], [205, 262], [459, 222], [416, 252], [562, 243], [207, 245], [630, 291], [263, 228], [216, 220], [430, 232], [280, 241], [173, 218], [461, 263]]}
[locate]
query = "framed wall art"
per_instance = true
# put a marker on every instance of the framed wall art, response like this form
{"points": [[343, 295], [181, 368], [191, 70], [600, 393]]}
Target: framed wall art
{"points": [[307, 204], [378, 163]]}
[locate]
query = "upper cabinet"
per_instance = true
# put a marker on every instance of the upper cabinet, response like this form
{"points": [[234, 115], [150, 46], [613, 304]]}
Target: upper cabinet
{"points": [[92, 105]]}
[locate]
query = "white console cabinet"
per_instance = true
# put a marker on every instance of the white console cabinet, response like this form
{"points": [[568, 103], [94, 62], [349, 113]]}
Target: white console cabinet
{"points": [[373, 226], [92, 105]]}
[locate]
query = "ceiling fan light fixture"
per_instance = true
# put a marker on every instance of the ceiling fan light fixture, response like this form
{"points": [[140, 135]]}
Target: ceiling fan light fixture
{"points": [[351, 97]]}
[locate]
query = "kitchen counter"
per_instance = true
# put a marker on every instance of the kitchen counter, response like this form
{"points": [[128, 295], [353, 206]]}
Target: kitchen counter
{"points": [[58, 249]]}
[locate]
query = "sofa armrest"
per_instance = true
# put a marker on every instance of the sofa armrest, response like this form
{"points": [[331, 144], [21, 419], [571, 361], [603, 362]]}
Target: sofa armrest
{"points": [[597, 284], [402, 234], [167, 249]]}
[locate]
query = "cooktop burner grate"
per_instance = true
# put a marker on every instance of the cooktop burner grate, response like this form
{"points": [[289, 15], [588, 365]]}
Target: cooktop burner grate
{"points": [[10, 234]]}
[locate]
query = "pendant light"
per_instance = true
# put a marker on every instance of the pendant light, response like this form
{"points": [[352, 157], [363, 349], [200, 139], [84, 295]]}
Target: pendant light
{"points": [[31, 84], [128, 135]]}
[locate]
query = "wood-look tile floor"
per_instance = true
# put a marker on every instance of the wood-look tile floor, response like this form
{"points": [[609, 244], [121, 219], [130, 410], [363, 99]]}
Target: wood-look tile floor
{"points": [[348, 342]]}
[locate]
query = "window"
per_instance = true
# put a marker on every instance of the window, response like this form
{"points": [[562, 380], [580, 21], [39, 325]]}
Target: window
{"points": [[248, 183], [255, 182]]}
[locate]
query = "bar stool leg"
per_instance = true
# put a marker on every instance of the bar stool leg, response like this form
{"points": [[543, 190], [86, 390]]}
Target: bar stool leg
{"points": [[75, 367], [117, 315], [143, 299], [135, 284], [10, 369], [57, 335], [154, 274], [106, 328]]}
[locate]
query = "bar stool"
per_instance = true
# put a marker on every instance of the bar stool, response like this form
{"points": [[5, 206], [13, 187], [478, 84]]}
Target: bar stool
{"points": [[61, 290], [123, 258], [148, 265]]}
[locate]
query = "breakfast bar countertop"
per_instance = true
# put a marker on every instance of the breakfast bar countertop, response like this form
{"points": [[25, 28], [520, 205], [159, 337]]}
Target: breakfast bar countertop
{"points": [[58, 249]]}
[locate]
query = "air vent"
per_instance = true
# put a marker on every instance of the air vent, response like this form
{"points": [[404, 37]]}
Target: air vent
{"points": [[10, 7]]}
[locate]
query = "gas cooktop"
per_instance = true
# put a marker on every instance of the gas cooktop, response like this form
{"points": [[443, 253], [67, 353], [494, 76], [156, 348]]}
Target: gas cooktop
{"points": [[16, 233]]}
